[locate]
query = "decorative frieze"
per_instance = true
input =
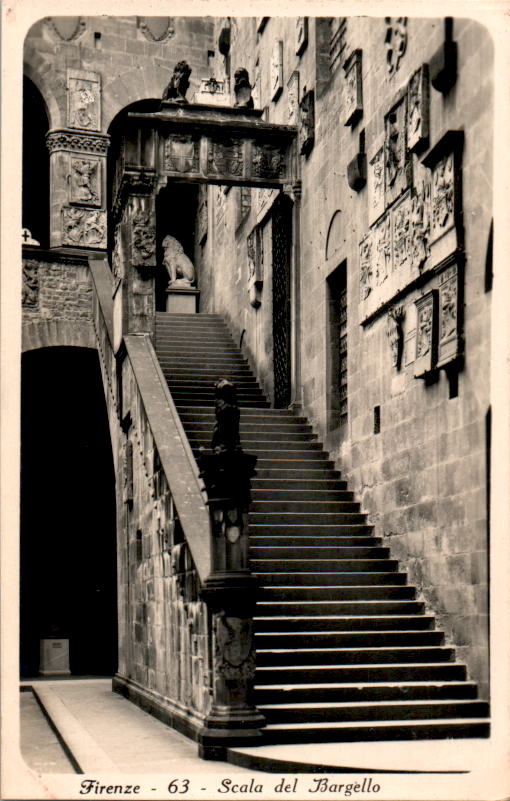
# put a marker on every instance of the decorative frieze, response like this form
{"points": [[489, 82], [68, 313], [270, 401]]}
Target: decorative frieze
{"points": [[293, 98], [301, 34], [181, 153], [77, 142], [395, 39], [84, 100], [418, 110], [352, 89], [396, 166], [85, 181], [225, 157], [83, 227], [30, 286], [276, 70], [426, 334], [307, 122]]}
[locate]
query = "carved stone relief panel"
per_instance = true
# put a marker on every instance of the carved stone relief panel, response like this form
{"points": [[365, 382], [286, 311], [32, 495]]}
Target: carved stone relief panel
{"points": [[443, 196], [301, 34], [396, 167], [30, 287], [365, 264], [420, 224], [352, 89], [418, 110], [401, 215], [426, 334], [382, 251], [395, 40], [443, 161], [143, 232], [293, 98], [276, 70], [85, 180], [83, 227], [225, 157], [395, 333], [375, 179], [84, 100], [181, 153], [307, 122], [449, 325], [268, 160]]}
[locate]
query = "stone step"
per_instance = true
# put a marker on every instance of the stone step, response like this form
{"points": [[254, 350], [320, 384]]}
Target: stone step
{"points": [[306, 518], [355, 592], [284, 428], [306, 530], [302, 506], [248, 382], [318, 544], [335, 692], [261, 444], [278, 734], [250, 437], [296, 554], [248, 415], [360, 673], [304, 567], [336, 711], [342, 607], [333, 579], [182, 371], [334, 639], [343, 623], [298, 484], [298, 468], [352, 656], [300, 495], [202, 401]]}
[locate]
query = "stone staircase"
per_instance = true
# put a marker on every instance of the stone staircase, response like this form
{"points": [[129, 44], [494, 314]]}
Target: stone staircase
{"points": [[345, 651]]}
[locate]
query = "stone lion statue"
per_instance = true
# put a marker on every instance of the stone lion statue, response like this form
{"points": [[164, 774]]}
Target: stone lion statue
{"points": [[179, 83], [179, 267]]}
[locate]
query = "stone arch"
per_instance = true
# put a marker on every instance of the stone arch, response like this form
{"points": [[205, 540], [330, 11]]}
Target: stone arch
{"points": [[334, 236], [35, 71], [137, 84], [57, 333]]}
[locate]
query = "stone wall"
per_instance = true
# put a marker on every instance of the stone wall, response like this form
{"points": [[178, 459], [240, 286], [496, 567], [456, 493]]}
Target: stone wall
{"points": [[421, 477]]}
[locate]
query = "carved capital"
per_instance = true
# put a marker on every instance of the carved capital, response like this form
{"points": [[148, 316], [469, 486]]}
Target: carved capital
{"points": [[67, 140]]}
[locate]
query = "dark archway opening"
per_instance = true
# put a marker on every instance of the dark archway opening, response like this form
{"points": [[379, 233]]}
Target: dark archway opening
{"points": [[176, 211], [36, 165], [281, 251], [68, 550]]}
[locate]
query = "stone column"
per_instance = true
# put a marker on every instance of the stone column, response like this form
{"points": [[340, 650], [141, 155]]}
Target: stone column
{"points": [[230, 589], [134, 261], [78, 168]]}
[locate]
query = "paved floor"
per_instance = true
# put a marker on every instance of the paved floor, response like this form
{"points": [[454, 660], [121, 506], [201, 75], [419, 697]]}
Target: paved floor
{"points": [[104, 732]]}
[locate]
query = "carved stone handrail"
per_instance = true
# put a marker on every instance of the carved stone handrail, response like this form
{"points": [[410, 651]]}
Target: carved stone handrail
{"points": [[174, 451]]}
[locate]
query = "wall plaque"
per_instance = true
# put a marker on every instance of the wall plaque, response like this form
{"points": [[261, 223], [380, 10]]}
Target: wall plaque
{"points": [[293, 98], [225, 157], [418, 110], [181, 153], [301, 34], [426, 334], [352, 89], [396, 165], [449, 344], [444, 162]]}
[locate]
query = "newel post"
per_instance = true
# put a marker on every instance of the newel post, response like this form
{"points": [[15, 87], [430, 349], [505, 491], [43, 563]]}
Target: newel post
{"points": [[230, 589]]}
